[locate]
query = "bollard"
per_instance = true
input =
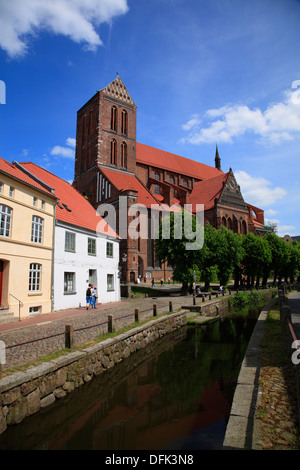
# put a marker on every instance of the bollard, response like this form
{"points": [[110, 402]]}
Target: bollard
{"points": [[137, 315], [209, 296], [154, 310], [203, 298], [170, 307], [110, 326], [194, 300], [69, 332]]}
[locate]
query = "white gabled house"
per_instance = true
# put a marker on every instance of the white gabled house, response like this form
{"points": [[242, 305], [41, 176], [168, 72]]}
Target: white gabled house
{"points": [[86, 250]]}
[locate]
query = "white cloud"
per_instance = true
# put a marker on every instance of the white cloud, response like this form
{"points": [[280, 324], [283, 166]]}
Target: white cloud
{"points": [[279, 122], [65, 152], [75, 19], [258, 191]]}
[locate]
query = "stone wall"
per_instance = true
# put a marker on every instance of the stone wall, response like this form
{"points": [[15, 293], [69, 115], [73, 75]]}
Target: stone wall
{"points": [[24, 393]]}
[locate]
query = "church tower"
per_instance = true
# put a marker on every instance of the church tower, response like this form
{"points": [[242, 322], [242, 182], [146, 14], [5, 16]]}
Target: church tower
{"points": [[217, 160], [105, 137]]}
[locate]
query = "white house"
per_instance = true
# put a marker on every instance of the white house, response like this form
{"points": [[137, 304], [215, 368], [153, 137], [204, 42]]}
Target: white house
{"points": [[86, 250]]}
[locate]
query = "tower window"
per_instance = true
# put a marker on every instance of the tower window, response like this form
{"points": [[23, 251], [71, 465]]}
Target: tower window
{"points": [[113, 119], [124, 122], [113, 152], [123, 155], [156, 175]]}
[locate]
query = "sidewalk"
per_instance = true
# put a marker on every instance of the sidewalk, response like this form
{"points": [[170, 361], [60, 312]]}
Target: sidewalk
{"points": [[31, 338]]}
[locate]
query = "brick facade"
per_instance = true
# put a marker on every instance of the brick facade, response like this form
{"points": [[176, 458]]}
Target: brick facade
{"points": [[109, 163]]}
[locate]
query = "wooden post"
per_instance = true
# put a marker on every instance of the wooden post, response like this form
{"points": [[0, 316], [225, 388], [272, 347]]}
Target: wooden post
{"points": [[154, 310], [170, 306], [110, 326], [137, 315], [69, 333]]}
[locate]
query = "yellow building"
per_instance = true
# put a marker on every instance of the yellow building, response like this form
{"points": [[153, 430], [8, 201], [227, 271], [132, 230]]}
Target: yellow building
{"points": [[27, 217]]}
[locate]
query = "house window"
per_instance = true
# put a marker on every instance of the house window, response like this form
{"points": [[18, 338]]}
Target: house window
{"points": [[69, 283], [37, 229], [43, 205], [185, 183], [110, 282], [1, 188], [171, 179], [5, 221], [123, 155], [34, 277], [35, 310], [156, 176], [113, 119], [35, 201], [92, 246], [70, 241], [124, 122], [113, 152], [11, 191], [109, 250]]}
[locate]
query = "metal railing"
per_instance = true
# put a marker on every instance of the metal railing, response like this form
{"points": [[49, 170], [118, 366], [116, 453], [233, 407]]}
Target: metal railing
{"points": [[20, 305]]}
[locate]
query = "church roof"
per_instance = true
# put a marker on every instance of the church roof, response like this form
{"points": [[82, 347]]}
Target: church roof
{"points": [[174, 163], [205, 192], [128, 182], [72, 207]]}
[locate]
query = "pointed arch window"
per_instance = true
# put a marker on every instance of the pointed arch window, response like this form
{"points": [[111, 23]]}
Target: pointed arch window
{"points": [[113, 152], [113, 119], [123, 155], [124, 122]]}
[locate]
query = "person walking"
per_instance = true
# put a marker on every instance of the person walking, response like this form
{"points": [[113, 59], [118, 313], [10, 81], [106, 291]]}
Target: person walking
{"points": [[94, 297], [88, 296]]}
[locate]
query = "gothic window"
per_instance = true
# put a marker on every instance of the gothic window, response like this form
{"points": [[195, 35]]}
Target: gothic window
{"points": [[124, 121], [229, 223], [123, 155], [156, 175], [224, 221], [113, 119], [113, 152], [171, 179], [244, 228], [156, 189]]}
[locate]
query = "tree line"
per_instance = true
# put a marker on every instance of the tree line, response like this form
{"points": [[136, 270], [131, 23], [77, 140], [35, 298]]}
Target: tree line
{"points": [[249, 260]]}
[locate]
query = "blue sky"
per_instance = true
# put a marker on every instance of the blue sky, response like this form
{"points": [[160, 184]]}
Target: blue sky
{"points": [[199, 71]]}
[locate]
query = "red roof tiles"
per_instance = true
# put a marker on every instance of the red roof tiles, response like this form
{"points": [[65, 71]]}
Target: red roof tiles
{"points": [[72, 207], [205, 192], [127, 182], [169, 161]]}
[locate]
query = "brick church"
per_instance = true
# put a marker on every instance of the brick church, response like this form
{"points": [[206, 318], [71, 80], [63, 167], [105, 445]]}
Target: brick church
{"points": [[110, 163]]}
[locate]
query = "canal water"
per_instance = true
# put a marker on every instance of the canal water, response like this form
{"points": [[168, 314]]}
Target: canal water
{"points": [[176, 394]]}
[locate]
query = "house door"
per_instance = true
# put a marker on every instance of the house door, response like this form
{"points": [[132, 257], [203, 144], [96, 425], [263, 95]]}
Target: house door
{"points": [[1, 280]]}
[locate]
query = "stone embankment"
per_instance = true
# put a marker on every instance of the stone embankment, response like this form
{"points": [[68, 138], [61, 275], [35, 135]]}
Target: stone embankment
{"points": [[24, 393]]}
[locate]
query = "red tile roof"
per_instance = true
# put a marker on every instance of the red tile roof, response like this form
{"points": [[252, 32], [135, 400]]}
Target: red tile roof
{"points": [[205, 192], [127, 182], [72, 207], [13, 170], [169, 161]]}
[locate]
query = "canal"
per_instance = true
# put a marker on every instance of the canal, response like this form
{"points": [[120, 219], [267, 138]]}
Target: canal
{"points": [[176, 394]]}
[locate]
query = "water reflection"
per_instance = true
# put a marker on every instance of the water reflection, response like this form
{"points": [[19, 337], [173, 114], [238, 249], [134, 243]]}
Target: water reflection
{"points": [[175, 394]]}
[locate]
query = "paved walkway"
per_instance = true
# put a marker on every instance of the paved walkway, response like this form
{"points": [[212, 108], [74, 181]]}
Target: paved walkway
{"points": [[33, 337]]}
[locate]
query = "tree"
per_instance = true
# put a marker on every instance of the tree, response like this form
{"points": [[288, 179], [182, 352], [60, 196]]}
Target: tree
{"points": [[229, 254], [176, 230], [279, 254], [257, 257]]}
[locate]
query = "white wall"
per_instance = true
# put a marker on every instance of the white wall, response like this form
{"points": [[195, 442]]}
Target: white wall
{"points": [[80, 263]]}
